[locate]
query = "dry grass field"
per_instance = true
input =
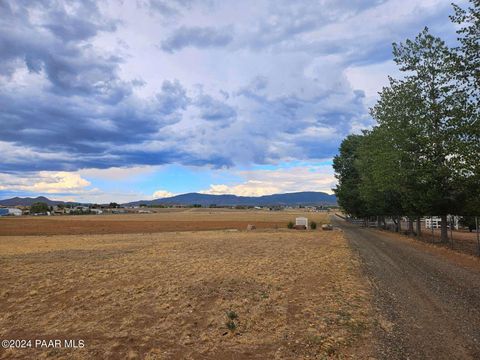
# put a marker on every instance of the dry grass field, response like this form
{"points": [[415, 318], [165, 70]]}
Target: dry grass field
{"points": [[162, 220], [263, 294]]}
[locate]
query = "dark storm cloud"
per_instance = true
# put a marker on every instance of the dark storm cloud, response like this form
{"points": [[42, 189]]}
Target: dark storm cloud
{"points": [[64, 104], [84, 110], [53, 42]]}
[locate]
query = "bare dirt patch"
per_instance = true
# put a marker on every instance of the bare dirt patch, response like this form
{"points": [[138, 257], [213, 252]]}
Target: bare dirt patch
{"points": [[289, 295], [426, 297]]}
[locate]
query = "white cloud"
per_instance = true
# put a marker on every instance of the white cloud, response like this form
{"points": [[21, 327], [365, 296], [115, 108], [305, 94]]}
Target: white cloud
{"points": [[249, 188], [159, 194], [118, 173], [266, 182], [371, 78], [46, 182]]}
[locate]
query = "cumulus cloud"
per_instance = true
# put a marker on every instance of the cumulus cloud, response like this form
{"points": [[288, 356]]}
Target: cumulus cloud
{"points": [[267, 182], [159, 194], [280, 81], [215, 110], [45, 182]]}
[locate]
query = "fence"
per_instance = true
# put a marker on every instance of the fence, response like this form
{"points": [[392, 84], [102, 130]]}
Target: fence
{"points": [[459, 236]]}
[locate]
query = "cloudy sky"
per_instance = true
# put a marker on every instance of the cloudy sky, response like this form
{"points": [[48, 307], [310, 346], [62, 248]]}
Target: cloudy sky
{"points": [[137, 99]]}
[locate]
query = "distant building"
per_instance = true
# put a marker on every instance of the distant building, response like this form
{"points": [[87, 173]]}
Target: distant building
{"points": [[10, 212], [435, 222]]}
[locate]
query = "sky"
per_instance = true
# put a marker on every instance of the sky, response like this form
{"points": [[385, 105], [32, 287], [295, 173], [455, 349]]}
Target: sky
{"points": [[139, 99]]}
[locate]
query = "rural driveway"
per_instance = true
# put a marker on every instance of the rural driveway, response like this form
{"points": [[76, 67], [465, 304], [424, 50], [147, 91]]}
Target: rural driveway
{"points": [[428, 307]]}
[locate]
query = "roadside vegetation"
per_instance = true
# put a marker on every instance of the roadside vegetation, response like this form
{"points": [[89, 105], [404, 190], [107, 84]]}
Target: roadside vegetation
{"points": [[423, 156]]}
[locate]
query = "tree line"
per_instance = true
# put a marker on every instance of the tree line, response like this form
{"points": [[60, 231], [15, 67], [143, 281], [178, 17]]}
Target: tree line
{"points": [[423, 156]]}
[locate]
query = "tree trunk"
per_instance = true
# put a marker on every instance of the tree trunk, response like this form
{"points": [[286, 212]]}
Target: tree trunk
{"points": [[399, 226], [410, 226], [379, 222], [419, 227], [395, 223], [444, 230]]}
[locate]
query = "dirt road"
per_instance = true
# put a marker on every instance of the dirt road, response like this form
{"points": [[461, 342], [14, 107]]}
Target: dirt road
{"points": [[428, 306]]}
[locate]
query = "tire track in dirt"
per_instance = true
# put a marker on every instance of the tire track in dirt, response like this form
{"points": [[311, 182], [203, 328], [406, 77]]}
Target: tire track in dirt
{"points": [[428, 306]]}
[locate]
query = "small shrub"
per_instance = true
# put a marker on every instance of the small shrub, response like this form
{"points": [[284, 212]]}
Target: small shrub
{"points": [[313, 225], [290, 225], [231, 325], [232, 315]]}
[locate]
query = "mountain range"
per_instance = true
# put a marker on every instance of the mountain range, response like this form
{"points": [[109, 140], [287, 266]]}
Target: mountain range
{"points": [[288, 199], [27, 201]]}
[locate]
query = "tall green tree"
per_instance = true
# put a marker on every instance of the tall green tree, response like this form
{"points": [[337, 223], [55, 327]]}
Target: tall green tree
{"points": [[39, 208], [392, 156], [347, 190], [423, 157], [468, 81], [429, 65]]}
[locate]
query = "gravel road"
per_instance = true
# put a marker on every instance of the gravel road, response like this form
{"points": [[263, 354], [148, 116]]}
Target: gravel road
{"points": [[428, 306]]}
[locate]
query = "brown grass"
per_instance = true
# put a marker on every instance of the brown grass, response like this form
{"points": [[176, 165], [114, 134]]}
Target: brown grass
{"points": [[296, 295], [172, 220]]}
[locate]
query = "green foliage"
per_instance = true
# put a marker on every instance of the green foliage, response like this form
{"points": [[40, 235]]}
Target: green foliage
{"points": [[231, 325], [290, 225], [346, 171], [469, 222], [39, 208], [423, 157], [313, 225], [232, 315]]}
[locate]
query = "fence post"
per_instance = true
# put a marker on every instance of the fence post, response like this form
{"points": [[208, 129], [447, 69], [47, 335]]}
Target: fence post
{"points": [[478, 234], [431, 227], [451, 229]]}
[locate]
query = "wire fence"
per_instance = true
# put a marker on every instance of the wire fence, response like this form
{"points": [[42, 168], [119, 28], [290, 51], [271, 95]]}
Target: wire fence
{"points": [[461, 237]]}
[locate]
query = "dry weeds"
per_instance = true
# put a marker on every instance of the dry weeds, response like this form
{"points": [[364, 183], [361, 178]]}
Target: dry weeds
{"points": [[294, 295]]}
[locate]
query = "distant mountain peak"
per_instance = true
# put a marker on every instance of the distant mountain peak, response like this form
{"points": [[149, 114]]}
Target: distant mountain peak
{"points": [[27, 201]]}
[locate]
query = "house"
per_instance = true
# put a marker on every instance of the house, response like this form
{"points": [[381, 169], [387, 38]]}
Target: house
{"points": [[57, 210], [435, 222], [10, 212]]}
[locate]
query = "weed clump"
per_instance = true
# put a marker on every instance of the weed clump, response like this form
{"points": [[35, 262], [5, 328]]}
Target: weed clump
{"points": [[231, 324], [232, 315]]}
